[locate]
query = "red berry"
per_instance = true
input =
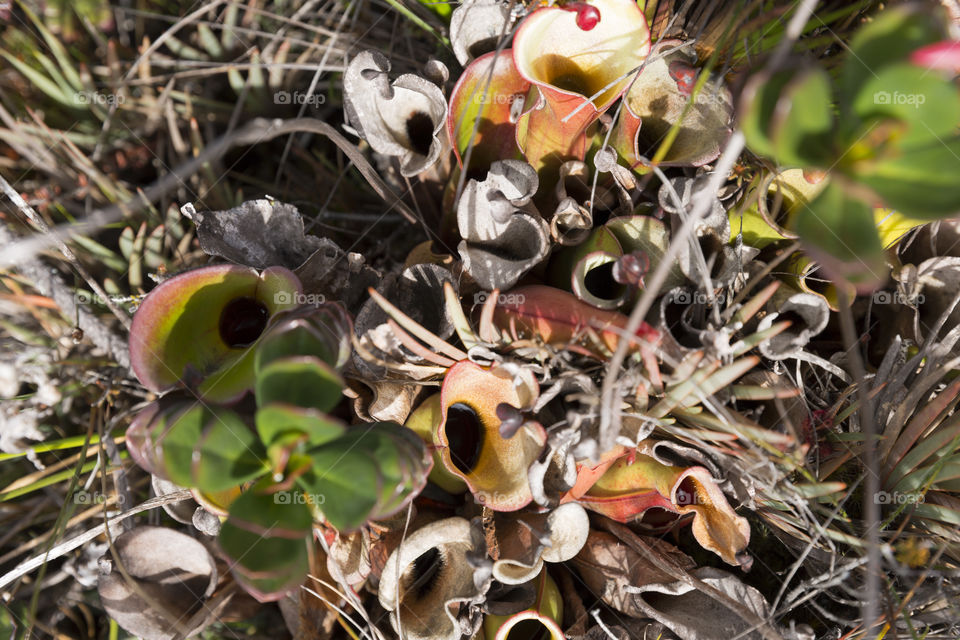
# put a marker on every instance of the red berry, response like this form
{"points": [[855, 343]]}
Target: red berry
{"points": [[588, 16]]}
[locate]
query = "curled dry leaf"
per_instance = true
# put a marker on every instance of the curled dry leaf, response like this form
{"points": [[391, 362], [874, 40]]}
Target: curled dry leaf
{"points": [[609, 568], [427, 576], [172, 569], [503, 235], [938, 279], [528, 540], [934, 239], [572, 220], [640, 586], [181, 511], [402, 119], [808, 314], [330, 273], [392, 401], [692, 614], [680, 195], [555, 471], [350, 555], [721, 263], [469, 438], [476, 27]]}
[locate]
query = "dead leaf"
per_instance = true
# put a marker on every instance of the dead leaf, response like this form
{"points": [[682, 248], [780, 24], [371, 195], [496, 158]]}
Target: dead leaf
{"points": [[172, 569], [258, 233]]}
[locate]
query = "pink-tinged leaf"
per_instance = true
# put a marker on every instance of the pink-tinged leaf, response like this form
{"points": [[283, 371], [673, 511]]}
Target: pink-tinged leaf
{"points": [[490, 108], [637, 482], [469, 439], [558, 318], [200, 323], [588, 474], [625, 136], [941, 55], [572, 56], [543, 135]]}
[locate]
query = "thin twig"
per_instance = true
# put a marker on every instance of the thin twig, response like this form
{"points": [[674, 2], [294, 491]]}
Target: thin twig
{"points": [[871, 508], [66, 547]]}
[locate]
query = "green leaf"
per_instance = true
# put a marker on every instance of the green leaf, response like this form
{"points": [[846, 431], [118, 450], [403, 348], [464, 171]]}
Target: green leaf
{"points": [[276, 420], [439, 7], [920, 182], [937, 512], [212, 450], [757, 118], [344, 480], [924, 101], [176, 435], [269, 536], [888, 39], [305, 381], [839, 232], [802, 123], [317, 334], [229, 453], [402, 461]]}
